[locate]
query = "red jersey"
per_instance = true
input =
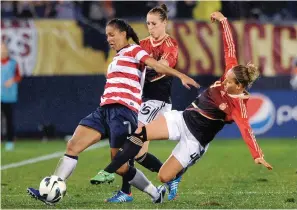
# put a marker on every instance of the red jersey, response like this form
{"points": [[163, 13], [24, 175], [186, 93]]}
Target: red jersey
{"points": [[158, 86], [217, 105]]}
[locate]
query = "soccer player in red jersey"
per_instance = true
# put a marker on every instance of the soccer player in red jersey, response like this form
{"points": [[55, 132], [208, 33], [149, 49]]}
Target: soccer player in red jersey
{"points": [[117, 114], [156, 96], [222, 103]]}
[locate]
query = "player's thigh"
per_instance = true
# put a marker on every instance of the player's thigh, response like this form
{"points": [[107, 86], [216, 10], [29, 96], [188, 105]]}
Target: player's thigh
{"points": [[169, 169], [89, 131], [156, 130], [82, 138], [165, 126], [122, 122], [124, 168]]}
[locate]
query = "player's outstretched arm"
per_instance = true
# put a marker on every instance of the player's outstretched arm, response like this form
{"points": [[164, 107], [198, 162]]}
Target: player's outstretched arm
{"points": [[229, 45], [241, 119], [160, 68]]}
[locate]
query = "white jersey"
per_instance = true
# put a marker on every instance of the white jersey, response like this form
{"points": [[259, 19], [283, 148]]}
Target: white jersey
{"points": [[125, 78]]}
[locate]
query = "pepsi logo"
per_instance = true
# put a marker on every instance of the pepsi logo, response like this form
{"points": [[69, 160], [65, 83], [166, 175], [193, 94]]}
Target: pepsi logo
{"points": [[261, 113]]}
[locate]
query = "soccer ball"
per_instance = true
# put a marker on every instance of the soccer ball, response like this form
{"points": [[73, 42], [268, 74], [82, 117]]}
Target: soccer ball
{"points": [[52, 189]]}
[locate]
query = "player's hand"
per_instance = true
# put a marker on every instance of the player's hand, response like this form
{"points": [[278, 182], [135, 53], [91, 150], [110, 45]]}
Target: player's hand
{"points": [[263, 162], [216, 16], [186, 81], [9, 83]]}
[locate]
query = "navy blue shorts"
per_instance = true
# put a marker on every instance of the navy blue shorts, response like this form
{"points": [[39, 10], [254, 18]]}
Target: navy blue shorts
{"points": [[114, 121]]}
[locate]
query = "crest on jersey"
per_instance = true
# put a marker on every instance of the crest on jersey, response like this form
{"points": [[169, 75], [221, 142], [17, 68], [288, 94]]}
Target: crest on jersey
{"points": [[223, 106], [222, 93]]}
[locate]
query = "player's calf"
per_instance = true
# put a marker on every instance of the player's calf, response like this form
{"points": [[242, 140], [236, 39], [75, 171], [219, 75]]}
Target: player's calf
{"points": [[150, 162], [129, 150]]}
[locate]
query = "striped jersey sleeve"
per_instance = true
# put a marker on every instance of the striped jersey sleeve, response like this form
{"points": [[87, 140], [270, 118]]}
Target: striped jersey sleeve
{"points": [[139, 54], [229, 46]]}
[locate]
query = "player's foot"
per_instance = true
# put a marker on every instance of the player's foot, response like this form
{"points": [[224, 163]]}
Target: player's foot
{"points": [[162, 191], [102, 177], [35, 194], [172, 188], [120, 197]]}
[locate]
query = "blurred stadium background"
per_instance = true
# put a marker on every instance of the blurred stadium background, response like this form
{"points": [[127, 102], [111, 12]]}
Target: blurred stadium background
{"points": [[62, 52]]}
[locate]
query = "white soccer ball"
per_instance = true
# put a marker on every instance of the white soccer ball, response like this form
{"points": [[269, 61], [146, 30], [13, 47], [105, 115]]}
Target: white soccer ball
{"points": [[52, 188]]}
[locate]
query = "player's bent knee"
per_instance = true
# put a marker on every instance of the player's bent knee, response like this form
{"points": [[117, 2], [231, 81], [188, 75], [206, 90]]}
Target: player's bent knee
{"points": [[139, 136], [164, 177], [72, 148]]}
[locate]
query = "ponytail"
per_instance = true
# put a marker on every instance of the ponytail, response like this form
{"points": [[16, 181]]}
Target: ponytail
{"points": [[132, 34]]}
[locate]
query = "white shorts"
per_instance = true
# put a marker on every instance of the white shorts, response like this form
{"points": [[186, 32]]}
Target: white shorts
{"points": [[188, 151], [150, 109]]}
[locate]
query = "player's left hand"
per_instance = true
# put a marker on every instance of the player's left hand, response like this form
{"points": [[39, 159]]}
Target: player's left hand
{"points": [[188, 81], [9, 83], [263, 162], [216, 16]]}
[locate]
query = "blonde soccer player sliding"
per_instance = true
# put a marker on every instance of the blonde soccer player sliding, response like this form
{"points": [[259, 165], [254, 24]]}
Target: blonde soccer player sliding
{"points": [[222, 103]]}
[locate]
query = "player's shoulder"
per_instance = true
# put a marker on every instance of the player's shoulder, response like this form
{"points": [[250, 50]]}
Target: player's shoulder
{"points": [[145, 40], [170, 41], [240, 99], [134, 46]]}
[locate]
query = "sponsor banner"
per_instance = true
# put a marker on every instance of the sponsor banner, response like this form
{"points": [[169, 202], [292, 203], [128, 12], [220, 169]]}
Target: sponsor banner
{"points": [[271, 114], [50, 47], [271, 47]]}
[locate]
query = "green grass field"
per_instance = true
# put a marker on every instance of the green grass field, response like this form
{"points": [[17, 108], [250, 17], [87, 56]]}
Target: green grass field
{"points": [[226, 177]]}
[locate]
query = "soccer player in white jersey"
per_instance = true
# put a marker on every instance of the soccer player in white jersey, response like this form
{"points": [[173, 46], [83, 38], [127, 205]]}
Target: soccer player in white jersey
{"points": [[116, 116]]}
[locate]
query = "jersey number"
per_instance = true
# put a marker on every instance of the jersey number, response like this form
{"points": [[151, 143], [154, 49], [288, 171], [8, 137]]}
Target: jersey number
{"points": [[129, 126], [145, 110]]}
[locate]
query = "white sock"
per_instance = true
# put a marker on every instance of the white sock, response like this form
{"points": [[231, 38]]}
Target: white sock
{"points": [[152, 191], [65, 167], [141, 182]]}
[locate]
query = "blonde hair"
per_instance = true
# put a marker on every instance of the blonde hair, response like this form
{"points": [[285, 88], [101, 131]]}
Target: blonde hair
{"points": [[246, 75]]}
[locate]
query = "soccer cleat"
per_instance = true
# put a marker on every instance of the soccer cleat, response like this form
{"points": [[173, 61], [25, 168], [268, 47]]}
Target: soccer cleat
{"points": [[162, 190], [102, 177], [172, 188], [35, 194], [120, 197]]}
